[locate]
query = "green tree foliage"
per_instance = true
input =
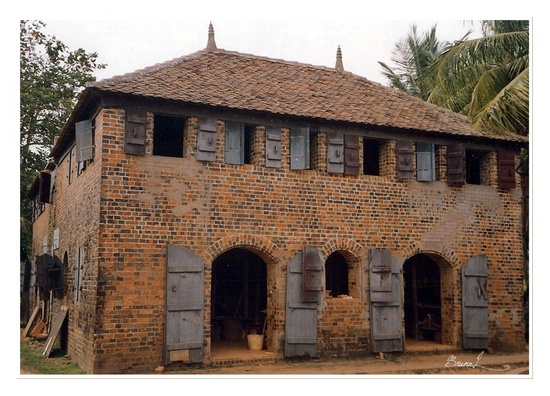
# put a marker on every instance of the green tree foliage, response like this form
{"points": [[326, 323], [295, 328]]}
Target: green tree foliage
{"points": [[51, 77]]}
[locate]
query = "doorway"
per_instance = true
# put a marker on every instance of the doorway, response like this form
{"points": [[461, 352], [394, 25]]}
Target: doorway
{"points": [[422, 299], [239, 299]]}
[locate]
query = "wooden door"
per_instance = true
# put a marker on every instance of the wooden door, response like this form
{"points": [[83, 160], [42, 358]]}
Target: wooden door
{"points": [[184, 328], [475, 304], [301, 316], [385, 301]]}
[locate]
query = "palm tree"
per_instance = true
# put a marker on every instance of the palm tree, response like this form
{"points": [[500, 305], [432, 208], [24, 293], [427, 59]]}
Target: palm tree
{"points": [[486, 78], [413, 57]]}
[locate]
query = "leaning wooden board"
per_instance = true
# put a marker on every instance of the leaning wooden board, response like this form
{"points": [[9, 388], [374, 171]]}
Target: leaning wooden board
{"points": [[54, 332]]}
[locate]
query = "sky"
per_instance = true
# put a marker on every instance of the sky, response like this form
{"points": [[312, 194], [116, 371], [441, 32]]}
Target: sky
{"points": [[129, 45]]}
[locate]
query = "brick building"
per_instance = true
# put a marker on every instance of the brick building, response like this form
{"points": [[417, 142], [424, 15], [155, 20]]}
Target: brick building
{"points": [[223, 193]]}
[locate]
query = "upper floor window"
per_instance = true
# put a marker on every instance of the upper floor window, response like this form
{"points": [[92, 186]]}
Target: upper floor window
{"points": [[371, 157], [425, 161], [299, 148], [168, 136]]}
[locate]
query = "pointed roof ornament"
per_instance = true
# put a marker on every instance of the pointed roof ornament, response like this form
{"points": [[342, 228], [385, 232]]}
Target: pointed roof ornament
{"points": [[211, 45], [339, 63]]}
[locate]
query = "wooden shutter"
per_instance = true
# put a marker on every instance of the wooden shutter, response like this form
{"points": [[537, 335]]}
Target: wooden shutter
{"points": [[335, 152], [84, 137], [425, 162], [312, 287], [135, 131], [456, 157], [385, 301], [405, 152], [352, 155], [506, 170], [299, 148], [44, 186], [206, 143], [273, 147], [301, 316], [234, 143], [475, 303], [184, 316]]}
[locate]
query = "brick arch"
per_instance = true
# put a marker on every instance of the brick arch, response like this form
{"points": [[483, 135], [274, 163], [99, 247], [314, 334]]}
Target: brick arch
{"points": [[446, 254], [352, 251], [266, 249]]}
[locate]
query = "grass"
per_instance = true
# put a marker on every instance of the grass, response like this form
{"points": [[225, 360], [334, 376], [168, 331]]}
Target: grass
{"points": [[33, 361]]}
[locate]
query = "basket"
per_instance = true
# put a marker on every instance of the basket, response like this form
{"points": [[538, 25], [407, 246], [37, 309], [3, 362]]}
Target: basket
{"points": [[255, 342]]}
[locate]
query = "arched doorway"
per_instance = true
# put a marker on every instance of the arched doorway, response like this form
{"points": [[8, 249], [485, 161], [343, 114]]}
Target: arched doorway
{"points": [[422, 298], [239, 298], [336, 275]]}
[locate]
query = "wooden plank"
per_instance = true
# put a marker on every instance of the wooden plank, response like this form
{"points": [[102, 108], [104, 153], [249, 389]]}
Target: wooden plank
{"points": [[41, 325], [31, 320], [61, 315]]}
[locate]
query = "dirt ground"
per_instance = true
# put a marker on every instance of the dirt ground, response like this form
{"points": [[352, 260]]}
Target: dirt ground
{"points": [[463, 363]]}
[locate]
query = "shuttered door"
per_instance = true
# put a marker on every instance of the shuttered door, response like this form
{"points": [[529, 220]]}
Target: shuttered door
{"points": [[135, 133], [301, 316], [234, 143], [385, 298], [335, 153], [506, 170], [455, 164], [273, 147], [206, 140], [184, 327], [405, 152], [475, 303], [352, 155]]}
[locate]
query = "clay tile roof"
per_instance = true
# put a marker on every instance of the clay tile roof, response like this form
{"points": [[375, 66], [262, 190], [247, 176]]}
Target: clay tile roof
{"points": [[232, 80]]}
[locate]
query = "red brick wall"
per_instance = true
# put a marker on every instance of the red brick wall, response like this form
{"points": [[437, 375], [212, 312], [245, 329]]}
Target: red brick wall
{"points": [[148, 202]]}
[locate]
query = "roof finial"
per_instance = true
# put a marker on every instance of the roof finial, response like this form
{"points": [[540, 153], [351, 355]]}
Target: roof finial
{"points": [[339, 63], [211, 45]]}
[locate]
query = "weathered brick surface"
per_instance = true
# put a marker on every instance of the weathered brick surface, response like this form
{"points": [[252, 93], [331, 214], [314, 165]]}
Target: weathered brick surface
{"points": [[124, 210]]}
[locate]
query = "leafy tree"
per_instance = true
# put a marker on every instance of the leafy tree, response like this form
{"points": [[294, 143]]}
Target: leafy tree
{"points": [[51, 77]]}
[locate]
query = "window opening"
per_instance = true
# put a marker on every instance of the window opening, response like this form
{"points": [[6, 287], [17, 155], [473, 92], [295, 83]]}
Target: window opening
{"points": [[371, 155], [248, 143], [473, 167], [168, 136], [336, 275], [299, 148], [78, 274]]}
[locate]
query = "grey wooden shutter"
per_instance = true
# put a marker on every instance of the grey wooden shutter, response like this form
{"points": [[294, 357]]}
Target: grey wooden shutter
{"points": [[352, 155], [335, 152], [385, 302], [44, 186], [312, 284], [299, 148], [506, 170], [301, 316], [184, 316], [234, 143], [475, 304], [135, 131], [206, 142], [405, 152], [273, 147], [456, 157], [425, 162], [84, 136]]}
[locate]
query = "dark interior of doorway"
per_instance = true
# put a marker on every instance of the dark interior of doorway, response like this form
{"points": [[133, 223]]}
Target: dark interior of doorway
{"points": [[422, 299], [336, 274], [239, 297]]}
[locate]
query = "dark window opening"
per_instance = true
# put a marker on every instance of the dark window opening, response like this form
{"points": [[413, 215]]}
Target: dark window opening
{"points": [[248, 141], [168, 136], [473, 167], [336, 274], [371, 153]]}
